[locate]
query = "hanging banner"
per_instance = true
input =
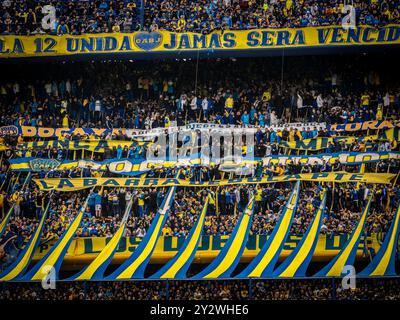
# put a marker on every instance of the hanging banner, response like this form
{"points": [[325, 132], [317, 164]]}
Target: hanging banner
{"points": [[83, 251], [95, 270], [383, 263], [19, 266], [228, 258], [177, 267], [42, 132], [347, 255], [88, 145], [6, 219], [348, 158], [133, 167], [163, 42], [51, 262], [149, 134], [366, 125], [263, 264], [135, 265], [66, 184], [322, 143], [392, 135], [296, 264]]}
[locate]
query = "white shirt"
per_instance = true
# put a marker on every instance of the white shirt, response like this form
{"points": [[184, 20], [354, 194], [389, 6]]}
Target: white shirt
{"points": [[334, 79], [16, 87], [204, 104], [193, 103], [320, 101], [268, 151], [274, 118], [97, 105], [386, 100], [68, 86], [299, 101]]}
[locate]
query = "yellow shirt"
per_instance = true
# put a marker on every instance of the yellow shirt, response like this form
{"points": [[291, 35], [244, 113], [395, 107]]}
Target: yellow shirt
{"points": [[65, 122], [229, 103], [166, 231], [379, 114], [140, 202], [96, 174], [258, 196], [291, 135], [16, 198], [266, 96], [211, 199], [365, 100]]}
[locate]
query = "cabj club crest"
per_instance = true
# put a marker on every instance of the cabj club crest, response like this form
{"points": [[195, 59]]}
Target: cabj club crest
{"points": [[148, 40]]}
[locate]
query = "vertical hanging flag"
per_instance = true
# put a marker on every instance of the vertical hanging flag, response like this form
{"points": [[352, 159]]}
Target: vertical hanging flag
{"points": [[19, 266], [56, 254], [228, 258], [6, 219], [296, 264], [263, 264], [95, 270], [383, 264], [4, 222], [134, 266], [177, 267], [347, 255]]}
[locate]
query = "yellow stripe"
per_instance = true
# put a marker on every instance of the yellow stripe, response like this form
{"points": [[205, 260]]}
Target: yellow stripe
{"points": [[3, 223], [384, 262], [235, 246], [51, 260], [16, 166], [337, 267], [279, 238], [25, 260], [103, 255], [305, 248], [172, 271], [131, 269]]}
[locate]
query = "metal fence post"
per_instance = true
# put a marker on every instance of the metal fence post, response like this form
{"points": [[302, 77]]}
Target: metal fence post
{"points": [[333, 288], [250, 288], [85, 290], [167, 290]]}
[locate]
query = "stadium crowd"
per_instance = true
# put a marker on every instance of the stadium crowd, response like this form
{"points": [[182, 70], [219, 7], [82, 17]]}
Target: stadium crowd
{"points": [[243, 92], [80, 17], [259, 92], [366, 289], [106, 208], [207, 15]]}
